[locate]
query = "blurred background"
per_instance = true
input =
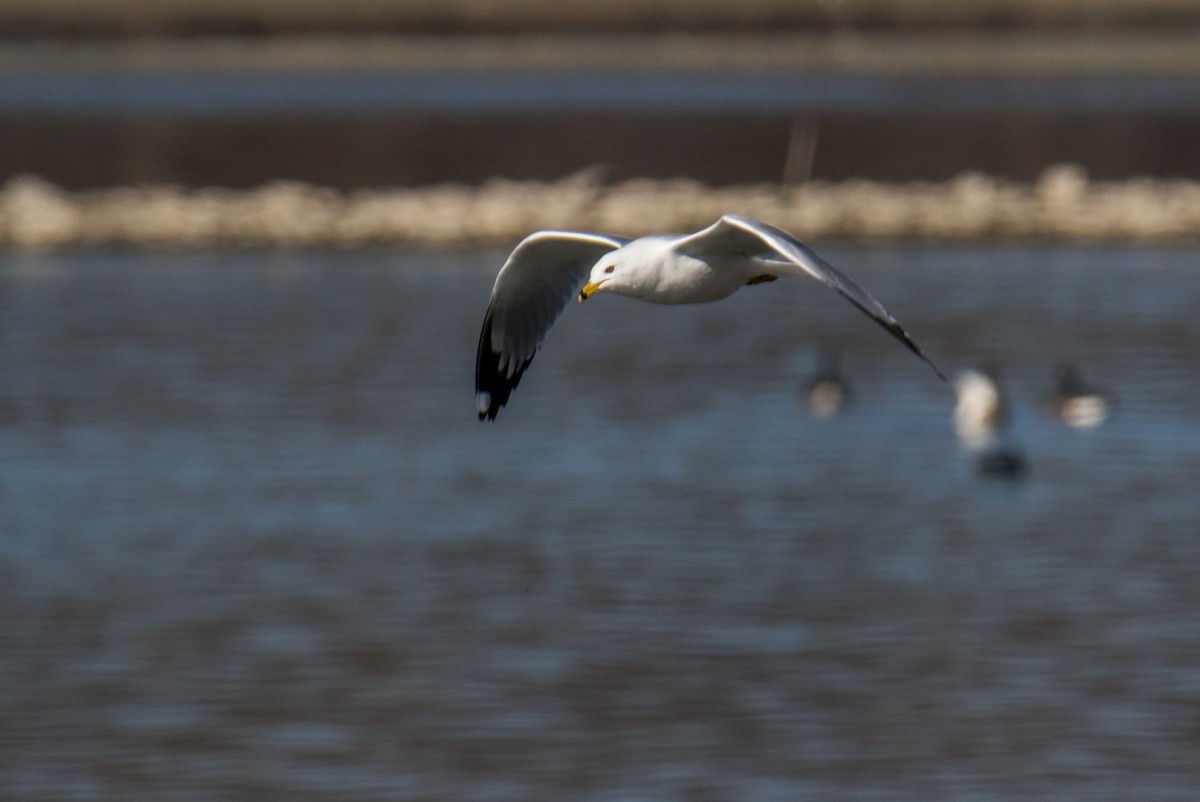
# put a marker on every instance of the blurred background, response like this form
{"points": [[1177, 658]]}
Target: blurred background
{"points": [[368, 93], [254, 544]]}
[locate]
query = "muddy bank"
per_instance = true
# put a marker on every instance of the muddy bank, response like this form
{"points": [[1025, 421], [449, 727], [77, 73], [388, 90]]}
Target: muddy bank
{"points": [[1063, 203]]}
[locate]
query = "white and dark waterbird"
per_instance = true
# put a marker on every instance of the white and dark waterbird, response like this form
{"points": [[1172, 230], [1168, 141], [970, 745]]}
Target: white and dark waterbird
{"points": [[549, 268], [982, 410], [1075, 402], [981, 417]]}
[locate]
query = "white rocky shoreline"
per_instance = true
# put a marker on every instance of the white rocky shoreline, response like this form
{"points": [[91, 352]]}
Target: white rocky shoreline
{"points": [[1062, 205]]}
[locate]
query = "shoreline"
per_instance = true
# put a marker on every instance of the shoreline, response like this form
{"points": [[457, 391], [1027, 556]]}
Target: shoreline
{"points": [[1063, 204]]}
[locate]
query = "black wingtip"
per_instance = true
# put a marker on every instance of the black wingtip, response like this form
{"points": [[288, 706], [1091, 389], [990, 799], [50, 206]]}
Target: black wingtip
{"points": [[916, 350], [903, 336], [928, 361], [493, 385], [489, 408], [936, 369]]}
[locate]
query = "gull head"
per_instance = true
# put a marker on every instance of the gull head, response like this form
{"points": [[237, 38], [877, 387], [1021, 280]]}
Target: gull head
{"points": [[606, 275], [629, 270]]}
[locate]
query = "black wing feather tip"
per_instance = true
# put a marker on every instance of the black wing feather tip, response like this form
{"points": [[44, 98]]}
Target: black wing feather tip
{"points": [[489, 377], [545, 263], [886, 321], [895, 329]]}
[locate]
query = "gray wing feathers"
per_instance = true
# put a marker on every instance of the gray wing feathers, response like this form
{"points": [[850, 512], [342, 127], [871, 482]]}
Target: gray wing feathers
{"points": [[740, 235], [537, 282], [541, 276]]}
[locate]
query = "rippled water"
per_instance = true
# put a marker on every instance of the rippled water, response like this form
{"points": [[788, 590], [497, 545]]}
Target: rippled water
{"points": [[256, 545]]}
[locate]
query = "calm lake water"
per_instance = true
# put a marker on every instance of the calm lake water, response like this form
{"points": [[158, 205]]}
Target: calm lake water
{"points": [[255, 545]]}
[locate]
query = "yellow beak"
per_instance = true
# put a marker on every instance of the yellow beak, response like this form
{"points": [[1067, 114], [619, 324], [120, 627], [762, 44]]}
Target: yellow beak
{"points": [[589, 289]]}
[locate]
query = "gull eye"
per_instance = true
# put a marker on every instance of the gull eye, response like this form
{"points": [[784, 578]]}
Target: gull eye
{"points": [[610, 268]]}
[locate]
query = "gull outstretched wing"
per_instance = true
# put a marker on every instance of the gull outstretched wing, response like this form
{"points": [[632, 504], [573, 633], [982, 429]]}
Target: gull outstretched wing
{"points": [[735, 235], [544, 272]]}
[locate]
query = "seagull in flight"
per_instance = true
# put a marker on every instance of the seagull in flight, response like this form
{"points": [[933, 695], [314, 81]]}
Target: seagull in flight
{"points": [[549, 268]]}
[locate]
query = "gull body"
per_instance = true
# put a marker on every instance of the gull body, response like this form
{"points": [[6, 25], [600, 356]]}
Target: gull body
{"points": [[548, 268], [653, 269]]}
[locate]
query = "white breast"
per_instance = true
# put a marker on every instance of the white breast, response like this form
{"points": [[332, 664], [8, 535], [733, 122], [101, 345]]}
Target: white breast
{"points": [[685, 279]]}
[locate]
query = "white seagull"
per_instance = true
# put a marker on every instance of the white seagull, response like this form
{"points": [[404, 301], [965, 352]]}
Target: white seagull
{"points": [[548, 268]]}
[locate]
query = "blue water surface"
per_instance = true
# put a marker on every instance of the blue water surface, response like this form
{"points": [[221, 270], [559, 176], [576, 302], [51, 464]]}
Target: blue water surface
{"points": [[255, 544]]}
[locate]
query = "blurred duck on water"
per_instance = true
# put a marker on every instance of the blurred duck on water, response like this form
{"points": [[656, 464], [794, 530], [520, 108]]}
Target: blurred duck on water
{"points": [[1076, 403], [827, 392], [982, 408], [981, 417]]}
